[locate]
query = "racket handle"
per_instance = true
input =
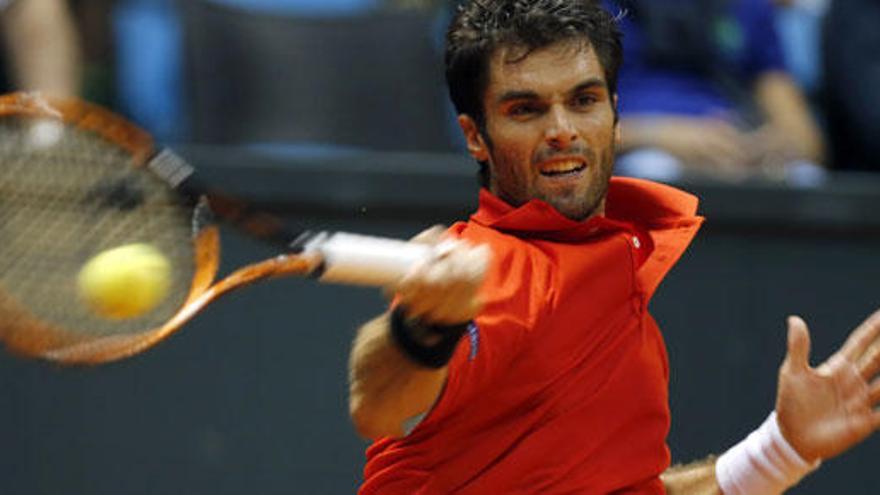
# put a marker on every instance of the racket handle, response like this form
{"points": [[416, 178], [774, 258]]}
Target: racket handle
{"points": [[354, 259]]}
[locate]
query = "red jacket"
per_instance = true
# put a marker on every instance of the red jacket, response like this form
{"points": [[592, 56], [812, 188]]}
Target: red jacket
{"points": [[561, 386]]}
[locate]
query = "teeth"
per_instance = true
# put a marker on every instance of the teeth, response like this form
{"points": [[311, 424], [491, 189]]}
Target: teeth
{"points": [[561, 167]]}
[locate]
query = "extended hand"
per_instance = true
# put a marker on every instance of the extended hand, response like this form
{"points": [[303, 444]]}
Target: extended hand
{"points": [[824, 411], [771, 148], [443, 290]]}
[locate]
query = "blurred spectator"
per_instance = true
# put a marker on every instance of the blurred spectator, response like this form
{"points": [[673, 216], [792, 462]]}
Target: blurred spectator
{"points": [[42, 50], [704, 89], [852, 83], [149, 41]]}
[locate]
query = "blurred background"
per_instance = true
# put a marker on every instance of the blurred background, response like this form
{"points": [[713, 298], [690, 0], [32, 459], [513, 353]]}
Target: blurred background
{"points": [[333, 113]]}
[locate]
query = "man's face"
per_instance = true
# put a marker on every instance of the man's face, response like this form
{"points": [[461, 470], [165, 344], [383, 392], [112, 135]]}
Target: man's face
{"points": [[551, 128]]}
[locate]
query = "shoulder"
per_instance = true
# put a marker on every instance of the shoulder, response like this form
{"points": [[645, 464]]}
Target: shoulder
{"points": [[522, 277], [506, 248]]}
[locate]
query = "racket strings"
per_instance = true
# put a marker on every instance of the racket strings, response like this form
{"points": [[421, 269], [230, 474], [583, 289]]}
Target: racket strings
{"points": [[65, 196]]}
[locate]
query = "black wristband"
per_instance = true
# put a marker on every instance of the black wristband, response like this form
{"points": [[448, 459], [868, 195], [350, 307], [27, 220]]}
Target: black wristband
{"points": [[406, 333]]}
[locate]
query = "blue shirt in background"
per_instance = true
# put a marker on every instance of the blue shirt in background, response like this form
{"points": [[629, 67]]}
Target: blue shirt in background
{"points": [[749, 46]]}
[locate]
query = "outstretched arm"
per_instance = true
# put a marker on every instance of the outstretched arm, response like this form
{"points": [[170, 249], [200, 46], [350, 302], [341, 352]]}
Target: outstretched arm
{"points": [[820, 413], [388, 387]]}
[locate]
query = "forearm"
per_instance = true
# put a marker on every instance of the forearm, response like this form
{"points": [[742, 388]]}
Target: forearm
{"points": [[700, 142], [697, 478], [788, 112], [641, 132], [43, 46], [385, 387]]}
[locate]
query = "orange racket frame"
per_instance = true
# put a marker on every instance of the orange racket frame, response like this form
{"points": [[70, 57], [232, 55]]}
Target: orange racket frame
{"points": [[34, 338]]}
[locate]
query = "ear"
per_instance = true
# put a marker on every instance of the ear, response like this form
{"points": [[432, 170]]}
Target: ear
{"points": [[476, 145]]}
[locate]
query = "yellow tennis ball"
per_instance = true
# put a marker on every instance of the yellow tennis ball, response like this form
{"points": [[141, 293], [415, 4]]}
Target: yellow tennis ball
{"points": [[125, 282]]}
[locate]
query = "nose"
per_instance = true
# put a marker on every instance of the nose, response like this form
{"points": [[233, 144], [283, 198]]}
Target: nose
{"points": [[560, 131]]}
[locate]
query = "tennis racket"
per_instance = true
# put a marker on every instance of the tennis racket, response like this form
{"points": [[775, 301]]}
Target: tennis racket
{"points": [[76, 180]]}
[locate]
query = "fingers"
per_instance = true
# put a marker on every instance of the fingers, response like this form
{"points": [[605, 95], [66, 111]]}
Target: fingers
{"points": [[875, 420], [831, 408], [869, 362], [798, 355], [431, 235], [722, 145], [874, 391], [444, 289], [861, 338]]}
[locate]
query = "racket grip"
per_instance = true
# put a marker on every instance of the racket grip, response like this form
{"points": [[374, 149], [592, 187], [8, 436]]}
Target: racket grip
{"points": [[354, 259]]}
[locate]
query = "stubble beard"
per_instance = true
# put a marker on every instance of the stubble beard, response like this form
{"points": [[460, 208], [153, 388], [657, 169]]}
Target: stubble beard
{"points": [[577, 207], [593, 200], [581, 206]]}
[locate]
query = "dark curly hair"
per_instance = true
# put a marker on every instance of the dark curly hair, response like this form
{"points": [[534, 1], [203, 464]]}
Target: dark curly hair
{"points": [[481, 26]]}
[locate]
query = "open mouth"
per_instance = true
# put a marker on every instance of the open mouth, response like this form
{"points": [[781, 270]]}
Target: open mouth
{"points": [[562, 168]]}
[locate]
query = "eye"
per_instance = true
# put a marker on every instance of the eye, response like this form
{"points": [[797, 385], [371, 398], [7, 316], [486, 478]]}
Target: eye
{"points": [[584, 100], [523, 110]]}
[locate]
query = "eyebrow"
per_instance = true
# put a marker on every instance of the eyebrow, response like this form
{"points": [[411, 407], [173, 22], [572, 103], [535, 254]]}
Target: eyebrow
{"points": [[514, 95], [590, 84]]}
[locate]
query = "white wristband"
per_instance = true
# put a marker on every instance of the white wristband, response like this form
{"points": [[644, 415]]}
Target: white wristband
{"points": [[762, 464]]}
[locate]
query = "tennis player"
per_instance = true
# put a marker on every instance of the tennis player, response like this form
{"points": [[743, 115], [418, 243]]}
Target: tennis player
{"points": [[540, 371]]}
